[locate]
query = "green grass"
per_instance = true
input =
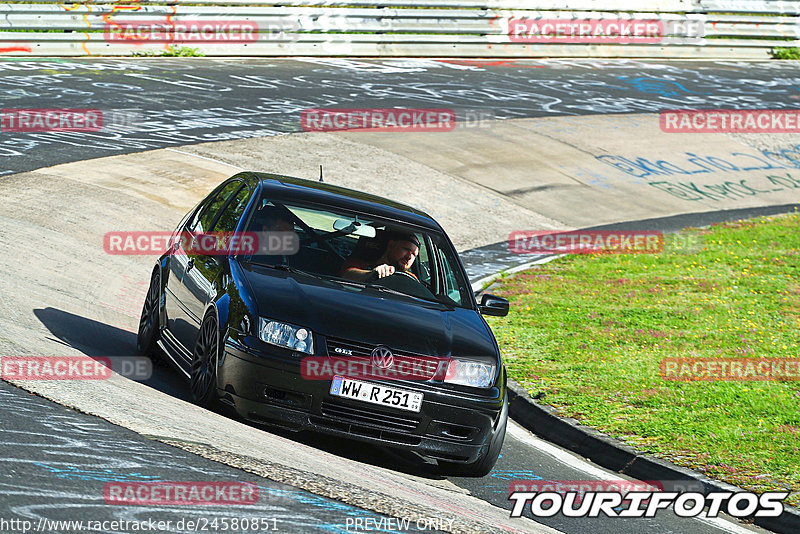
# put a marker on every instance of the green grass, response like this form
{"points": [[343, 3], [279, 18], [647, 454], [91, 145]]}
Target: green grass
{"points": [[587, 334], [785, 53], [172, 51]]}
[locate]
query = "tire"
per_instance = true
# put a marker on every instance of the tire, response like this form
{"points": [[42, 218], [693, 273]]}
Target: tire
{"points": [[148, 333], [203, 372], [488, 455]]}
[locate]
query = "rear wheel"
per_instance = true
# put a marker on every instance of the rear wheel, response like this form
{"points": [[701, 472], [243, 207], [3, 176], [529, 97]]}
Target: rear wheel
{"points": [[147, 336], [488, 456], [203, 373]]}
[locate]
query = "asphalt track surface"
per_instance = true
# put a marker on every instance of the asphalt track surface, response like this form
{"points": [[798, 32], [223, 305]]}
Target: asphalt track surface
{"points": [[160, 103], [56, 463], [56, 460]]}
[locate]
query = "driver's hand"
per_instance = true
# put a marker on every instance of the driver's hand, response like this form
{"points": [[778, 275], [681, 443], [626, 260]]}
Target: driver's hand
{"points": [[384, 270]]}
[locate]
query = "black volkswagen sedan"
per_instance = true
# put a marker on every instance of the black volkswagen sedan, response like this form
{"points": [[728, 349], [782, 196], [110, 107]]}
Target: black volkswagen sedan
{"points": [[352, 316]]}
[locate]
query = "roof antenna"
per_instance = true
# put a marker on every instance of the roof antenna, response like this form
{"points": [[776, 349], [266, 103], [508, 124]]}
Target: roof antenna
{"points": [[320, 173]]}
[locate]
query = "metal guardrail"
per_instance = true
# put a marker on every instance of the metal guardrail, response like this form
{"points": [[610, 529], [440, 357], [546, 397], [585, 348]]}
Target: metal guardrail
{"points": [[684, 6], [438, 28]]}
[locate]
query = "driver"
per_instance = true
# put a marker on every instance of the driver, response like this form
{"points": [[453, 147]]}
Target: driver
{"points": [[274, 220], [401, 251], [272, 227]]}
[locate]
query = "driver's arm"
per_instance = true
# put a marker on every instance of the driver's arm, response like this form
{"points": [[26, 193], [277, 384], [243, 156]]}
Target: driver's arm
{"points": [[367, 275]]}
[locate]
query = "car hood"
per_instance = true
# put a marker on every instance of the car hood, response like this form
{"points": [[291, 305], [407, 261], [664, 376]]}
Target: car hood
{"points": [[365, 315]]}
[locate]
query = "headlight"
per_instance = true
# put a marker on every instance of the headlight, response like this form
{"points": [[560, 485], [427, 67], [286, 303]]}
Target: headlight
{"points": [[470, 373], [286, 335]]}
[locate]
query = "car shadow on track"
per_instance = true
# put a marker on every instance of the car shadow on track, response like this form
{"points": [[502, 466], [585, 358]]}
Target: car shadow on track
{"points": [[97, 339]]}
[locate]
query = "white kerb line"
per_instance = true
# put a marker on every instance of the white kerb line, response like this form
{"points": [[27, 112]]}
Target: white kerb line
{"points": [[478, 284]]}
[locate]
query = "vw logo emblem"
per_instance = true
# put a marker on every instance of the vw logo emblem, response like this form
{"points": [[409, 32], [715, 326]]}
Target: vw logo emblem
{"points": [[382, 357]]}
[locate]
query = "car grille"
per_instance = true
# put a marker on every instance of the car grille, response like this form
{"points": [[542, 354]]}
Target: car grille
{"points": [[424, 367], [362, 421], [367, 416]]}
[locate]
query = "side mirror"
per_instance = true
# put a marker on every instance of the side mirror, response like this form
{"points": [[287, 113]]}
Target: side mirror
{"points": [[492, 305]]}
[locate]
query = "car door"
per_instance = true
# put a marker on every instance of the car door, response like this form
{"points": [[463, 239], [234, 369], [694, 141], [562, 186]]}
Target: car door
{"points": [[192, 271], [178, 261], [202, 277]]}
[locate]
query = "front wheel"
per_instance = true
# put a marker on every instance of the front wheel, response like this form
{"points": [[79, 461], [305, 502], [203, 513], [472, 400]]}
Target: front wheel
{"points": [[488, 456], [203, 373]]}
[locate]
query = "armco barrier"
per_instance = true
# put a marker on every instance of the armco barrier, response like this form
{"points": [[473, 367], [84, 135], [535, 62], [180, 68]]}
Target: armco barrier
{"points": [[428, 28]]}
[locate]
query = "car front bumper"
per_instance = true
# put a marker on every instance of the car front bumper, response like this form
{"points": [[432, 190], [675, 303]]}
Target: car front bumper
{"points": [[266, 387]]}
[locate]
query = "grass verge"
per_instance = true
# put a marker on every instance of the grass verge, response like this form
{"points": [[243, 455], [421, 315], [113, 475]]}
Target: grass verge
{"points": [[587, 334], [171, 51], [785, 53]]}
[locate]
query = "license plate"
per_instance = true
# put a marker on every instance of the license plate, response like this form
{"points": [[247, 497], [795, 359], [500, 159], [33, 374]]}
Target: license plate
{"points": [[376, 394]]}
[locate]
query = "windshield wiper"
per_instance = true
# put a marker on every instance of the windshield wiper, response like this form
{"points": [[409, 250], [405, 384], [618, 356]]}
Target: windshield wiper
{"points": [[395, 292], [288, 268], [351, 283], [294, 270]]}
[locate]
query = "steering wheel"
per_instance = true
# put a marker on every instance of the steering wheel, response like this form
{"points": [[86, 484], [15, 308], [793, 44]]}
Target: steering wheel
{"points": [[405, 283], [375, 276], [409, 275]]}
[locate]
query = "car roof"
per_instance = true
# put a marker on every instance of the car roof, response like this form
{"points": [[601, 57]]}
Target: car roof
{"points": [[298, 189]]}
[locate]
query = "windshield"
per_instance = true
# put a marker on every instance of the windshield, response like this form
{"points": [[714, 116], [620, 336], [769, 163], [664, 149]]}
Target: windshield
{"points": [[354, 249]]}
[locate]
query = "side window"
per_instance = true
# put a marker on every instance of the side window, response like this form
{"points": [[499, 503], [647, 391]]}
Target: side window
{"points": [[451, 288], [229, 218], [424, 262], [205, 216]]}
